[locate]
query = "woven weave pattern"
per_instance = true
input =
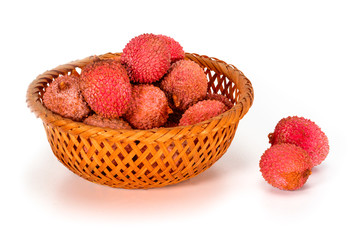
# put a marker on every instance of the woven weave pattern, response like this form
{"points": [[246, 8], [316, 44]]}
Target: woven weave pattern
{"points": [[144, 158]]}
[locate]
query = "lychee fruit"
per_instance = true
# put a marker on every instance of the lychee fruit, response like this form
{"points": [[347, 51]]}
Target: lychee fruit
{"points": [[185, 84], [63, 96], [99, 121], [106, 88], [303, 133], [148, 107], [176, 50], [146, 58], [201, 111], [285, 166], [228, 104]]}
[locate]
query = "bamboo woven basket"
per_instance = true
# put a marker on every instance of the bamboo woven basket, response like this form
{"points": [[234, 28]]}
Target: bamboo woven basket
{"points": [[136, 159]]}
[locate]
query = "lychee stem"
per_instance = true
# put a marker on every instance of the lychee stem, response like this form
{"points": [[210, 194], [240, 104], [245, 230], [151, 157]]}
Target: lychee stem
{"points": [[307, 173], [169, 110], [176, 101], [270, 136], [62, 85]]}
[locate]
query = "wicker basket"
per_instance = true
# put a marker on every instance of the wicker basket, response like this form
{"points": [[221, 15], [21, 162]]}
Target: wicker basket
{"points": [[144, 158]]}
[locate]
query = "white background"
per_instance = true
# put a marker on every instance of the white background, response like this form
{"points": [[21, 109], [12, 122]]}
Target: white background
{"points": [[302, 57]]}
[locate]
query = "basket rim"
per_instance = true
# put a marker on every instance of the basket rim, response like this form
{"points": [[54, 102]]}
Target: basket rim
{"points": [[156, 134]]}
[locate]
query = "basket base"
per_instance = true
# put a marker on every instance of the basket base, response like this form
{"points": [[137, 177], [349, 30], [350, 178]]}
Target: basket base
{"points": [[107, 164]]}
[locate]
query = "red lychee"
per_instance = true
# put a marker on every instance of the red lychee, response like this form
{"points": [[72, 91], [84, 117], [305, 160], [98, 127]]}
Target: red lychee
{"points": [[63, 97], [146, 58], [185, 84], [148, 107], [99, 121], [201, 111], [285, 166], [220, 98], [303, 133], [106, 88], [176, 50]]}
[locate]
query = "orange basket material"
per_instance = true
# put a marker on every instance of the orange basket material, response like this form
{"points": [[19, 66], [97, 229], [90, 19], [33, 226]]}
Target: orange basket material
{"points": [[136, 159]]}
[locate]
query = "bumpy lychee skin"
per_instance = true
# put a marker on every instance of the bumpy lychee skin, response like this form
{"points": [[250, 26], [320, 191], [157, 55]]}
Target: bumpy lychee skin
{"points": [[202, 111], [303, 133], [63, 97], [228, 104], [99, 121], [148, 107], [185, 84], [176, 50], [285, 166], [106, 88], [146, 58]]}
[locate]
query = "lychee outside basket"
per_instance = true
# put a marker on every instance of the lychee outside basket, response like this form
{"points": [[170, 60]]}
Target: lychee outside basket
{"points": [[136, 159]]}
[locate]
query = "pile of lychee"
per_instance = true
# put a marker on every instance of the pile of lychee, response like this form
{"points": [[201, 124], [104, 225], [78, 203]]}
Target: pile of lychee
{"points": [[150, 85], [297, 145]]}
